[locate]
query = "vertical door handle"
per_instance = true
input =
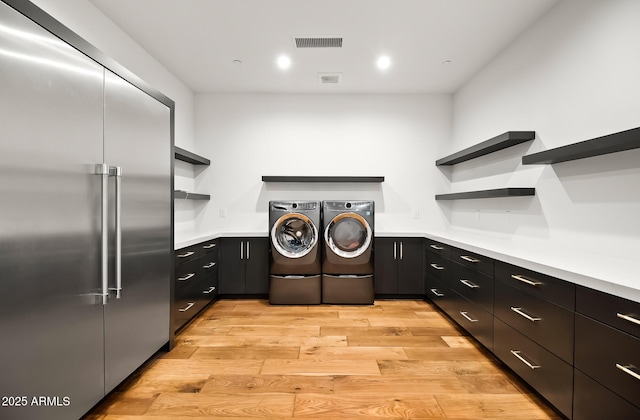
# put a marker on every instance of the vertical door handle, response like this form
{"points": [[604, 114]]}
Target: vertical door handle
{"points": [[242, 250], [247, 249], [394, 250], [116, 171], [103, 170], [401, 249]]}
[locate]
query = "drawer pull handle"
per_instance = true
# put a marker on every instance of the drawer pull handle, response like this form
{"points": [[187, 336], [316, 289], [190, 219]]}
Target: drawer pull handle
{"points": [[437, 267], [187, 277], [468, 258], [629, 318], [520, 312], [628, 371], [469, 284], [523, 360], [189, 306], [186, 254], [464, 314], [208, 246], [526, 280], [436, 247], [211, 289], [435, 292], [211, 264]]}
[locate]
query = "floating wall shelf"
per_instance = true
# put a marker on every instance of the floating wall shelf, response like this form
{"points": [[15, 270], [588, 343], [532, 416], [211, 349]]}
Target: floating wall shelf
{"points": [[190, 196], [501, 192], [374, 179], [503, 141], [189, 157], [617, 142]]}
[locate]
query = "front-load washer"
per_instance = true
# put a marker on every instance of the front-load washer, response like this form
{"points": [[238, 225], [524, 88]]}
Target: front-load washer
{"points": [[347, 265], [295, 252]]}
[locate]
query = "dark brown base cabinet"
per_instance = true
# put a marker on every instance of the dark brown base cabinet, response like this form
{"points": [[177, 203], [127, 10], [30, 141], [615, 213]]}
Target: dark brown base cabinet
{"points": [[577, 347], [196, 281], [399, 267], [244, 267]]}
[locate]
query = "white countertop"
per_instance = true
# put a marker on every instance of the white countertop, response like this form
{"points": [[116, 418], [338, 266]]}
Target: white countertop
{"points": [[617, 276]]}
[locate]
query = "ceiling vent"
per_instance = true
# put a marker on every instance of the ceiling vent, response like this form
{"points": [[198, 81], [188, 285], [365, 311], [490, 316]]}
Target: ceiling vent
{"points": [[329, 78], [308, 42]]}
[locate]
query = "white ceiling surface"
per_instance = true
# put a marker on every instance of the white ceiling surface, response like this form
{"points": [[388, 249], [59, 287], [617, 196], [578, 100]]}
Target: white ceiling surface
{"points": [[197, 40]]}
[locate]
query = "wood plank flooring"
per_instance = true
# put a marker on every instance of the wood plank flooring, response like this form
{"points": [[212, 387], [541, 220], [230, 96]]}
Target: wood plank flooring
{"points": [[393, 359]]}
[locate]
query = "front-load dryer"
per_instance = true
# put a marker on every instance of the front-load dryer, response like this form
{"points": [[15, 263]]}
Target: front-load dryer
{"points": [[347, 266], [295, 252]]}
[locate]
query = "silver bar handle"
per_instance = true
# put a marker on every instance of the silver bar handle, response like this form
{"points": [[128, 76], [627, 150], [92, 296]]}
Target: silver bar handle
{"points": [[465, 314], [525, 280], [208, 246], [401, 243], [436, 247], [103, 170], [435, 292], [116, 171], [211, 264], [523, 314], [523, 360], [394, 250], [436, 266], [469, 284], [211, 289], [186, 254], [628, 371], [187, 277], [247, 249], [189, 306], [468, 258], [628, 318], [242, 250]]}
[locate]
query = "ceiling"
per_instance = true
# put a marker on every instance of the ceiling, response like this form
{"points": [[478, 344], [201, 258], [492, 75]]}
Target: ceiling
{"points": [[435, 46]]}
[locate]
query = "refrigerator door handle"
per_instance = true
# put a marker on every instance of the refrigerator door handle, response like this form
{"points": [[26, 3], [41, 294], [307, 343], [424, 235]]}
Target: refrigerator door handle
{"points": [[103, 170], [116, 171]]}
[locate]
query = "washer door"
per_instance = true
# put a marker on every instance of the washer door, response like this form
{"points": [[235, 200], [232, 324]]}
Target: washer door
{"points": [[294, 235], [348, 235]]}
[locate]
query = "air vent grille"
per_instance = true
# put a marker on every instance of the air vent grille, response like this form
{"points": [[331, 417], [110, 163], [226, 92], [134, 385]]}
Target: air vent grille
{"points": [[329, 78], [307, 42]]}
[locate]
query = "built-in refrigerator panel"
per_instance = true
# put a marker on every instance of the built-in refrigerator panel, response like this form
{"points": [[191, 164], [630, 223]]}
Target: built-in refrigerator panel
{"points": [[137, 141], [51, 124]]}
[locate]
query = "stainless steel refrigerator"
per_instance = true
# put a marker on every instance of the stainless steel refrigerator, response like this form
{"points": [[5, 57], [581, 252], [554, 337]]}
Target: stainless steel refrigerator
{"points": [[85, 223]]}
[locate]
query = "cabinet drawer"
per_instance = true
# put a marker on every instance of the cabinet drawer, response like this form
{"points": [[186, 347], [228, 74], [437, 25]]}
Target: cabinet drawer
{"points": [[193, 252], [186, 308], [544, 322], [609, 356], [592, 401], [438, 292], [438, 248], [193, 273], [545, 372], [475, 261], [546, 287], [474, 319], [620, 313], [475, 286], [437, 266]]}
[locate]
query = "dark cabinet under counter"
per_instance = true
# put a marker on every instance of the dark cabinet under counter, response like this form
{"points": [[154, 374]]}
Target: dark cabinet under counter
{"points": [[244, 266]]}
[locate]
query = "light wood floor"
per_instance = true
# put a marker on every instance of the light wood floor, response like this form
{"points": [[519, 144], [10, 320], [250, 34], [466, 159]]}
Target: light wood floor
{"points": [[395, 359]]}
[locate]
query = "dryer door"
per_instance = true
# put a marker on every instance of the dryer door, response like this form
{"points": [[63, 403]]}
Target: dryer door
{"points": [[348, 235], [294, 235]]}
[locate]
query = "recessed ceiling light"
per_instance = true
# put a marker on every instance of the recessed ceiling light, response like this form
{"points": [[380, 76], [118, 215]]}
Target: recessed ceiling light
{"points": [[446, 62], [237, 62], [383, 62], [284, 62]]}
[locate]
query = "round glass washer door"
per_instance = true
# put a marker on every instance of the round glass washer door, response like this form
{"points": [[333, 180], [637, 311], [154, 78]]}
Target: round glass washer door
{"points": [[294, 235], [348, 235]]}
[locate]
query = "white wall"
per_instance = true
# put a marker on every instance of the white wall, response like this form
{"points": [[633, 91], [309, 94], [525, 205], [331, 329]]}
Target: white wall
{"points": [[87, 21], [247, 136], [574, 76]]}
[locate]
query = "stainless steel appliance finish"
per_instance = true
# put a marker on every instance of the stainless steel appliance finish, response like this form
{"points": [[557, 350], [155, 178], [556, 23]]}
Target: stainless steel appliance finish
{"points": [[64, 338], [295, 252], [347, 265]]}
